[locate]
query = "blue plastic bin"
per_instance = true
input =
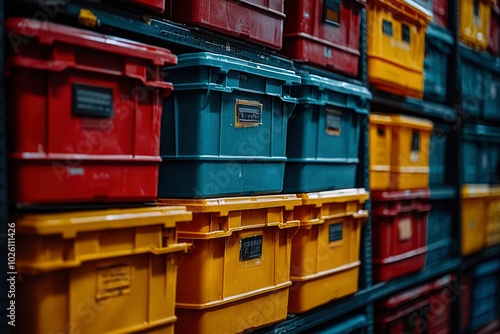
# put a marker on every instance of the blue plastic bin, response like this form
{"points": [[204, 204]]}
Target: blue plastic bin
{"points": [[439, 226], [323, 139], [480, 154], [224, 127], [492, 90], [355, 325], [485, 294], [438, 43]]}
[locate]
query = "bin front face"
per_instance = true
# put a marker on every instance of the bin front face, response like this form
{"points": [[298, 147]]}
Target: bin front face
{"points": [[399, 233], [410, 158], [324, 33], [256, 21], [474, 25], [325, 250], [323, 139], [474, 215], [106, 92], [396, 47], [89, 267]]}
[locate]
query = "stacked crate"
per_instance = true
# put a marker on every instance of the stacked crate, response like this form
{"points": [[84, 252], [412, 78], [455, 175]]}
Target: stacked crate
{"points": [[399, 180], [84, 112], [480, 133], [241, 128]]}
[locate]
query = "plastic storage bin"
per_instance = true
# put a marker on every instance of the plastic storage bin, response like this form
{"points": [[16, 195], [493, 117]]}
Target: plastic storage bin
{"points": [[480, 154], [238, 275], [466, 299], [255, 21], [439, 230], [493, 217], [325, 250], [81, 270], [410, 152], [324, 33], [440, 12], [423, 309], [480, 75], [438, 43], [84, 115], [474, 25], [474, 215], [485, 294], [399, 232], [396, 45], [228, 127], [380, 149], [323, 141]]}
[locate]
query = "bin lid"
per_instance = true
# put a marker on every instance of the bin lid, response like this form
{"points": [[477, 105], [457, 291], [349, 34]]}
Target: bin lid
{"points": [[226, 204], [487, 268], [380, 119], [335, 85], [400, 195], [412, 122], [475, 190], [334, 196], [475, 130], [228, 63], [423, 10], [69, 224], [49, 33]]}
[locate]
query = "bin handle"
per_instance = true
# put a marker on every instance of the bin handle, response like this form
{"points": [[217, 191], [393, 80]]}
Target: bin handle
{"points": [[59, 66]]}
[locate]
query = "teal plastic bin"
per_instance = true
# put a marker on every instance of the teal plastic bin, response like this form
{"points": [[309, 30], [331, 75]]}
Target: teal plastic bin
{"points": [[480, 154], [472, 74], [323, 140], [224, 128], [442, 155], [438, 43], [485, 298], [480, 80]]}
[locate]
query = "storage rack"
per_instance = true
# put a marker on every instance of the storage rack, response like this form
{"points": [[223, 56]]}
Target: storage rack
{"points": [[180, 38]]}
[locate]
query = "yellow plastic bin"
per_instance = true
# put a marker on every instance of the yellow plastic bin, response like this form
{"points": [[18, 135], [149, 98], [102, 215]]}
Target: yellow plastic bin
{"points": [[474, 25], [410, 152], [474, 213], [396, 46], [325, 251], [380, 149], [109, 271], [238, 274], [493, 222]]}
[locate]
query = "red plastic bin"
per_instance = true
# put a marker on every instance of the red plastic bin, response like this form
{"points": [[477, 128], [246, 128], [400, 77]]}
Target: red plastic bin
{"points": [[324, 33], [440, 12], [399, 232], [148, 6], [84, 113], [423, 309], [255, 21], [494, 36]]}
